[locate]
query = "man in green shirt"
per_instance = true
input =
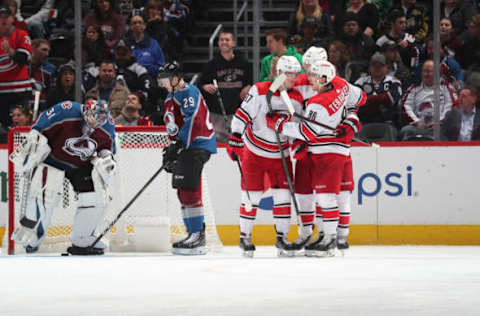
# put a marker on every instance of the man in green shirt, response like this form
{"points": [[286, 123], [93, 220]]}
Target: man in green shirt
{"points": [[277, 45]]}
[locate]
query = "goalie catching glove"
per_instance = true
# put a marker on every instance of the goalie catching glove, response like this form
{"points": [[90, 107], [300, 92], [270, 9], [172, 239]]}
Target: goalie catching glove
{"points": [[276, 120], [171, 153], [235, 146]]}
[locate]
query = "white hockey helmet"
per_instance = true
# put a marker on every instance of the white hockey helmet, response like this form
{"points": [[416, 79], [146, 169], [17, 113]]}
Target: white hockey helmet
{"points": [[288, 64], [312, 54], [323, 69]]}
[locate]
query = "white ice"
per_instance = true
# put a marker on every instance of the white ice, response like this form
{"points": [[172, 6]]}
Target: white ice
{"points": [[369, 280]]}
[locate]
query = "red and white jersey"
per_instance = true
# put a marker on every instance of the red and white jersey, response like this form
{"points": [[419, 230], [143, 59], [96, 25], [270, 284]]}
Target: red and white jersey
{"points": [[419, 99], [15, 77], [328, 108], [249, 120], [304, 87]]}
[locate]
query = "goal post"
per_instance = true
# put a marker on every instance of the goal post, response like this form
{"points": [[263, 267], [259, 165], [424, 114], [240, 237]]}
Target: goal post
{"points": [[152, 222]]}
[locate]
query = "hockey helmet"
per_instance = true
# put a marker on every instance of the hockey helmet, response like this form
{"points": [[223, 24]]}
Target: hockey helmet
{"points": [[322, 69], [288, 64], [95, 112], [169, 70], [312, 54]]}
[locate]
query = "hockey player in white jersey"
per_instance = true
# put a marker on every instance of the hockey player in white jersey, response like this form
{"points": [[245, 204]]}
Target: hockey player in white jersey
{"points": [[261, 155], [328, 150], [309, 212]]}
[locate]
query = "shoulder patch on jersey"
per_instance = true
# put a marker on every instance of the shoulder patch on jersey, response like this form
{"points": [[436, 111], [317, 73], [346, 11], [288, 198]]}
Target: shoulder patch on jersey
{"points": [[263, 87], [67, 105]]}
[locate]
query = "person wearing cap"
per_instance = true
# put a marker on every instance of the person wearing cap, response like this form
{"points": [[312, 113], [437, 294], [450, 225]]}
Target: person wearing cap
{"points": [[64, 88], [134, 75], [367, 16], [396, 68], [15, 54], [109, 89], [310, 26], [360, 46], [41, 71], [383, 93], [130, 115]]}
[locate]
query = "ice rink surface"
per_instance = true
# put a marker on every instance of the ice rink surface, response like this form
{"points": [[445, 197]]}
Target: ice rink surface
{"points": [[369, 280]]}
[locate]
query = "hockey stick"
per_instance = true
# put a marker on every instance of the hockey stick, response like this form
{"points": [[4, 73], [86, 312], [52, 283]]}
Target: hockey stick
{"points": [[222, 106], [291, 110], [35, 106], [273, 88], [127, 206], [248, 205]]}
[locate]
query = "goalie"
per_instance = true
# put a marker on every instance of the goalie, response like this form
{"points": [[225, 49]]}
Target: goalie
{"points": [[73, 141]]}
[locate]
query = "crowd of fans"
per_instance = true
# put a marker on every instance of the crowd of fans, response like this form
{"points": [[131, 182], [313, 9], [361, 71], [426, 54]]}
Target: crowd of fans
{"points": [[383, 46]]}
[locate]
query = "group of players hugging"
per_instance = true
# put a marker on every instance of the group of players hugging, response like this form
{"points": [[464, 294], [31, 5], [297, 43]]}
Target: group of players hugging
{"points": [[77, 141]]}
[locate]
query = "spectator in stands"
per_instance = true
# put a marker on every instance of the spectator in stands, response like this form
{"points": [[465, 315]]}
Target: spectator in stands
{"points": [[134, 75], [418, 104], [310, 26], [94, 43], [383, 6], [111, 22], [417, 18], [234, 77], [396, 68], [21, 116], [42, 72], [108, 89], [383, 93], [130, 114], [469, 56], [311, 8], [89, 71], [339, 56], [463, 123], [177, 16], [145, 49], [277, 45], [367, 17], [15, 52], [459, 12], [449, 38], [360, 46], [64, 88], [158, 28], [18, 22], [405, 41]]}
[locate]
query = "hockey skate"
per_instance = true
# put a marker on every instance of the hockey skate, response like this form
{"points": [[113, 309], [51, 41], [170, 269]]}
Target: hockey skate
{"points": [[301, 242], [84, 251], [311, 248], [342, 245], [194, 244], [327, 247], [246, 245], [284, 247]]}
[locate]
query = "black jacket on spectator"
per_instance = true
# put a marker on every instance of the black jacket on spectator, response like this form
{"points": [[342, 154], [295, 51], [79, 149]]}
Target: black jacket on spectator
{"points": [[460, 16], [367, 17], [469, 55], [231, 76], [453, 122], [57, 95], [162, 33], [136, 77], [360, 46]]}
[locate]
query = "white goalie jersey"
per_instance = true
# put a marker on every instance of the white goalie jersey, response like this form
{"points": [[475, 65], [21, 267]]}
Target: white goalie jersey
{"points": [[249, 120]]}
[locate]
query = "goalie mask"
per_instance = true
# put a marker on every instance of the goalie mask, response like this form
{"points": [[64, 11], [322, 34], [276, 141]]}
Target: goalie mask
{"points": [[95, 113], [321, 72], [313, 54]]}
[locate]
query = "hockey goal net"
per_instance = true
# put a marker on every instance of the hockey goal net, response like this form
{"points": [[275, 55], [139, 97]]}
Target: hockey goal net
{"points": [[139, 156]]}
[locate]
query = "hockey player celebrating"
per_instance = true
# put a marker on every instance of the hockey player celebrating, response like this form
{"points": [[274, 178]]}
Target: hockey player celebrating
{"points": [[328, 150], [261, 155], [193, 141], [73, 141]]}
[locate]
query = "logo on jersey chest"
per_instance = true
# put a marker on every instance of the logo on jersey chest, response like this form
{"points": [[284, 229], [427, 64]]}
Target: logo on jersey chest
{"points": [[82, 147]]}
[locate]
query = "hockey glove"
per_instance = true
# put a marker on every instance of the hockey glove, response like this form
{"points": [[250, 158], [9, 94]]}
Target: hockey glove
{"points": [[344, 133], [235, 146], [275, 121], [170, 155], [299, 149]]}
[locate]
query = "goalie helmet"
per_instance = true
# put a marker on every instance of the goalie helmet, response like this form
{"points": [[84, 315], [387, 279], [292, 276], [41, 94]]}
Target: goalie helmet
{"points": [[313, 54], [95, 113], [323, 69], [288, 64]]}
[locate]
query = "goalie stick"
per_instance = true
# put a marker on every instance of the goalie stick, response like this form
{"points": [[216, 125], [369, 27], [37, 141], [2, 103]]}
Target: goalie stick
{"points": [[273, 88], [291, 110]]}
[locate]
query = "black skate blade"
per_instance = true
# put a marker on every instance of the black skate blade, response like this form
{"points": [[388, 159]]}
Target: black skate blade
{"points": [[248, 253]]}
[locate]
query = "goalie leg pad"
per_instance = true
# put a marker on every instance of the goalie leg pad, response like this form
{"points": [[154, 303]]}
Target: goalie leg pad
{"points": [[43, 197], [88, 217], [32, 152]]}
